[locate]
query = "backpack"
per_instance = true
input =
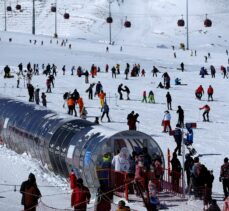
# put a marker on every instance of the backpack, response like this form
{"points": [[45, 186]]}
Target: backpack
{"points": [[30, 196]]}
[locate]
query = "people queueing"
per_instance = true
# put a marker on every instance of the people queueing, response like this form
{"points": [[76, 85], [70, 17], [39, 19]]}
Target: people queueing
{"points": [[199, 92], [30, 193], [127, 90], [105, 110], [37, 96], [31, 92], [80, 196], [43, 99], [178, 139], [210, 93], [169, 101], [187, 167], [224, 177], [166, 121], [120, 89], [180, 113], [176, 172], [122, 206], [144, 97], [151, 98], [206, 109]]}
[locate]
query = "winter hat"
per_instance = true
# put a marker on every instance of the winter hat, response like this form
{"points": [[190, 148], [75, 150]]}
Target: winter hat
{"points": [[32, 177], [225, 160]]}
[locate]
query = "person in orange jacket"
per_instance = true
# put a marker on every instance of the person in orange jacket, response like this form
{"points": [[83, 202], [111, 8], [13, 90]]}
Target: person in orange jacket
{"points": [[81, 104], [206, 112], [102, 96], [71, 105], [210, 93], [199, 92], [80, 196]]}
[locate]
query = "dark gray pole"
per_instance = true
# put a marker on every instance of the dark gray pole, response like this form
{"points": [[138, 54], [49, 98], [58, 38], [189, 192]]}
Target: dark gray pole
{"points": [[33, 19], [5, 15], [187, 29], [55, 35], [109, 23]]}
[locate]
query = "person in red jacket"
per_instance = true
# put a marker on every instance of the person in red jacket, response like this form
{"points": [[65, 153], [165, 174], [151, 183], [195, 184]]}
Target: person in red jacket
{"points": [[199, 92], [206, 112], [80, 196], [210, 93], [73, 179]]}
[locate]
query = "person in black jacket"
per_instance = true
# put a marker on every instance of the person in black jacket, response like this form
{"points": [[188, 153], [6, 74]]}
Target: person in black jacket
{"points": [[120, 89], [30, 193], [105, 110], [180, 113], [127, 90], [169, 101], [178, 139], [176, 172]]}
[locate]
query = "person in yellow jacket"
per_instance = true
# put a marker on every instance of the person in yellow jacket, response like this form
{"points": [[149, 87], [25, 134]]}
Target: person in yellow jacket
{"points": [[102, 96], [122, 206]]}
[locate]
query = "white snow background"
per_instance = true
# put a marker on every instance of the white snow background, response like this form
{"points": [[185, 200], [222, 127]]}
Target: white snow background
{"points": [[148, 42]]}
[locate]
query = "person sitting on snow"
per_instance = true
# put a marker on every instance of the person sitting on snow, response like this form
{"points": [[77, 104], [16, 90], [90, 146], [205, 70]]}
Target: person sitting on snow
{"points": [[177, 81]]}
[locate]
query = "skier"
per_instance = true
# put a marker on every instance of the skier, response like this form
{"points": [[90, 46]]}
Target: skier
{"points": [[120, 89], [206, 112], [144, 99], [130, 117], [169, 101], [206, 59], [106, 68], [48, 84], [71, 105], [224, 177], [105, 110], [44, 101], [151, 98], [20, 67], [18, 79], [98, 88], [118, 68], [73, 69], [180, 113], [81, 104], [107, 49], [127, 90], [199, 92], [143, 73], [210, 93]]}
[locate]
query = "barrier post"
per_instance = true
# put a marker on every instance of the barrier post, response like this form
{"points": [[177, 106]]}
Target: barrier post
{"points": [[169, 158], [126, 186]]}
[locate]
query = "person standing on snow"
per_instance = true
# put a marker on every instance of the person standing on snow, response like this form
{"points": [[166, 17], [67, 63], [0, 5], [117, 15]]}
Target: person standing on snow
{"points": [[30, 193], [63, 69], [36, 96], [151, 98], [166, 121], [120, 89], [210, 93], [212, 68], [224, 177], [144, 99], [155, 71], [182, 66], [169, 101], [206, 112], [180, 113], [90, 91], [127, 90], [102, 96], [43, 98], [105, 110], [178, 138]]}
